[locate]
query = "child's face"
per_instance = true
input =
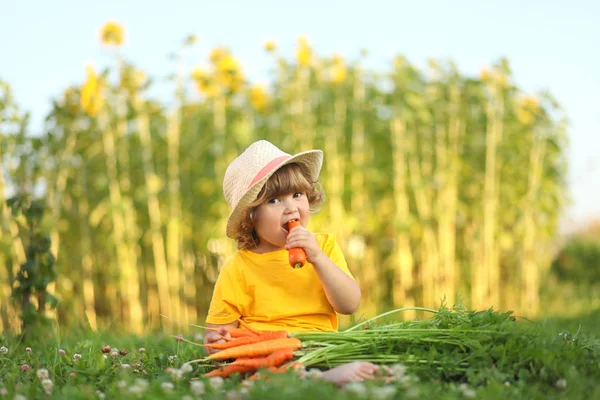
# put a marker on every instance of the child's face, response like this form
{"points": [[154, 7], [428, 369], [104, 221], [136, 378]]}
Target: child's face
{"points": [[273, 215]]}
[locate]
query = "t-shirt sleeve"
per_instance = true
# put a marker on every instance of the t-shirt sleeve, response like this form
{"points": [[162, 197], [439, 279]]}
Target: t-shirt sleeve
{"points": [[331, 247], [224, 306]]}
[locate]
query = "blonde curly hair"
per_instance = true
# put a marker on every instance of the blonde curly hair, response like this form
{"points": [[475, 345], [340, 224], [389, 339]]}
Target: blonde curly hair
{"points": [[290, 178]]}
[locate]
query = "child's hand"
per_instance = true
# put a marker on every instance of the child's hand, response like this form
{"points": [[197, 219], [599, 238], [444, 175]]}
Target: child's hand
{"points": [[213, 337], [302, 237]]}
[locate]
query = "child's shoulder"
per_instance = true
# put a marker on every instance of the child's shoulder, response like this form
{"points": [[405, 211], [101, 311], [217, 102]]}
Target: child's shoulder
{"points": [[232, 262]]}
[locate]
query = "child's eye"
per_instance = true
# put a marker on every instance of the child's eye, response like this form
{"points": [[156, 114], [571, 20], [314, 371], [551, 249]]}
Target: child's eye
{"points": [[273, 201], [298, 194]]}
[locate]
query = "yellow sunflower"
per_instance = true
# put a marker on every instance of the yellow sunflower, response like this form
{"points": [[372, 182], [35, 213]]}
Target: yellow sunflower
{"points": [[112, 33], [91, 93], [303, 52], [270, 46], [258, 98]]}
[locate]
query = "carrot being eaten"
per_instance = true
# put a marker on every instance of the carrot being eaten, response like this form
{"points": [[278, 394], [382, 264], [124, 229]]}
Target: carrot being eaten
{"points": [[257, 349], [297, 256], [267, 335]]}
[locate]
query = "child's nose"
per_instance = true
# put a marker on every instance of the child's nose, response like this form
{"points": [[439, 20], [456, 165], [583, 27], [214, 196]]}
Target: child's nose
{"points": [[290, 206]]}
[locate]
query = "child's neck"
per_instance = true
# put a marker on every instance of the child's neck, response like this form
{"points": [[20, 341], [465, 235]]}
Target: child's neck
{"points": [[264, 248]]}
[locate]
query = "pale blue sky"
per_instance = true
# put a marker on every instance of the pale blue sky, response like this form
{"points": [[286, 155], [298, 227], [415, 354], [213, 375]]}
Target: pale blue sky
{"points": [[555, 45]]}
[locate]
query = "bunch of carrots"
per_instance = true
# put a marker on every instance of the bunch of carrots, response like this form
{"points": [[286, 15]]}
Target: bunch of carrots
{"points": [[252, 350]]}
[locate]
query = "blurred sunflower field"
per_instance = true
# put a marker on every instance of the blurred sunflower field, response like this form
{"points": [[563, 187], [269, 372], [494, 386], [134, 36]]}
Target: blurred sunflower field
{"points": [[439, 185]]}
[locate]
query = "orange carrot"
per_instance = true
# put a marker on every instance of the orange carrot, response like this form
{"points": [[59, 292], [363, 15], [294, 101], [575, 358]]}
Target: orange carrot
{"points": [[228, 370], [266, 335], [297, 255], [274, 359], [272, 370], [239, 332], [247, 326], [257, 349]]}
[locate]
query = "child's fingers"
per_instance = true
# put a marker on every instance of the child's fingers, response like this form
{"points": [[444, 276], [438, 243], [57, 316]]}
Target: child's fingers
{"points": [[223, 331]]}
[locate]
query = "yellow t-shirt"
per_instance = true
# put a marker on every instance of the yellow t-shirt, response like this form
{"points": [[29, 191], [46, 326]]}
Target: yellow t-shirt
{"points": [[266, 292]]}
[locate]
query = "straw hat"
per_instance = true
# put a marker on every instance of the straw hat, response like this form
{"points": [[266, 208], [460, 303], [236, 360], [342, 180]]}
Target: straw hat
{"points": [[247, 174]]}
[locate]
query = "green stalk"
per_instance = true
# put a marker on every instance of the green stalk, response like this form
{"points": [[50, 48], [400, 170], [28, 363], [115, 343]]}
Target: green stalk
{"points": [[389, 313], [530, 268], [4, 229], [488, 294], [335, 169], [87, 263], [174, 236], [403, 278], [428, 248], [158, 245], [55, 194]]}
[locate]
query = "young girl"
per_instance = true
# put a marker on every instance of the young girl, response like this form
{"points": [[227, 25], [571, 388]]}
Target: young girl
{"points": [[266, 188]]}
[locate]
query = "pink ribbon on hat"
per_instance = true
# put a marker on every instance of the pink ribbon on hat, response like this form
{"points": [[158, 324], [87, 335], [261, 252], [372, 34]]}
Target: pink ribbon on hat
{"points": [[267, 168]]}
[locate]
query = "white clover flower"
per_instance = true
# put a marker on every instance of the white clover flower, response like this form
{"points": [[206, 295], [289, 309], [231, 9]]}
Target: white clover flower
{"points": [[114, 354], [134, 389], [234, 395], [216, 382], [76, 357], [167, 386], [61, 352], [100, 394], [125, 366], [142, 383], [398, 370], [383, 392], [19, 396], [357, 388], [42, 373], [142, 350], [4, 350], [140, 386], [177, 374], [121, 384], [47, 384], [172, 359], [467, 391], [197, 387], [314, 373], [28, 349], [185, 368], [247, 383], [561, 383]]}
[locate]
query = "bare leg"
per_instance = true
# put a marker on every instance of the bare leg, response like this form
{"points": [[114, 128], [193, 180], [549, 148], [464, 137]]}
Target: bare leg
{"points": [[354, 371]]}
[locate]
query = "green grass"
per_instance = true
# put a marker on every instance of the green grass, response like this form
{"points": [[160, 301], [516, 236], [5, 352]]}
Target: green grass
{"points": [[446, 357]]}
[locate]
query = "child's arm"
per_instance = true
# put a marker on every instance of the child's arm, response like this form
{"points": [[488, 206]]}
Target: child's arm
{"points": [[216, 336], [343, 293]]}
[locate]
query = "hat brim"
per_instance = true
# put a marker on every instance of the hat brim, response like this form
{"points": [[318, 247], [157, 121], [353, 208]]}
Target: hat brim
{"points": [[311, 159]]}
